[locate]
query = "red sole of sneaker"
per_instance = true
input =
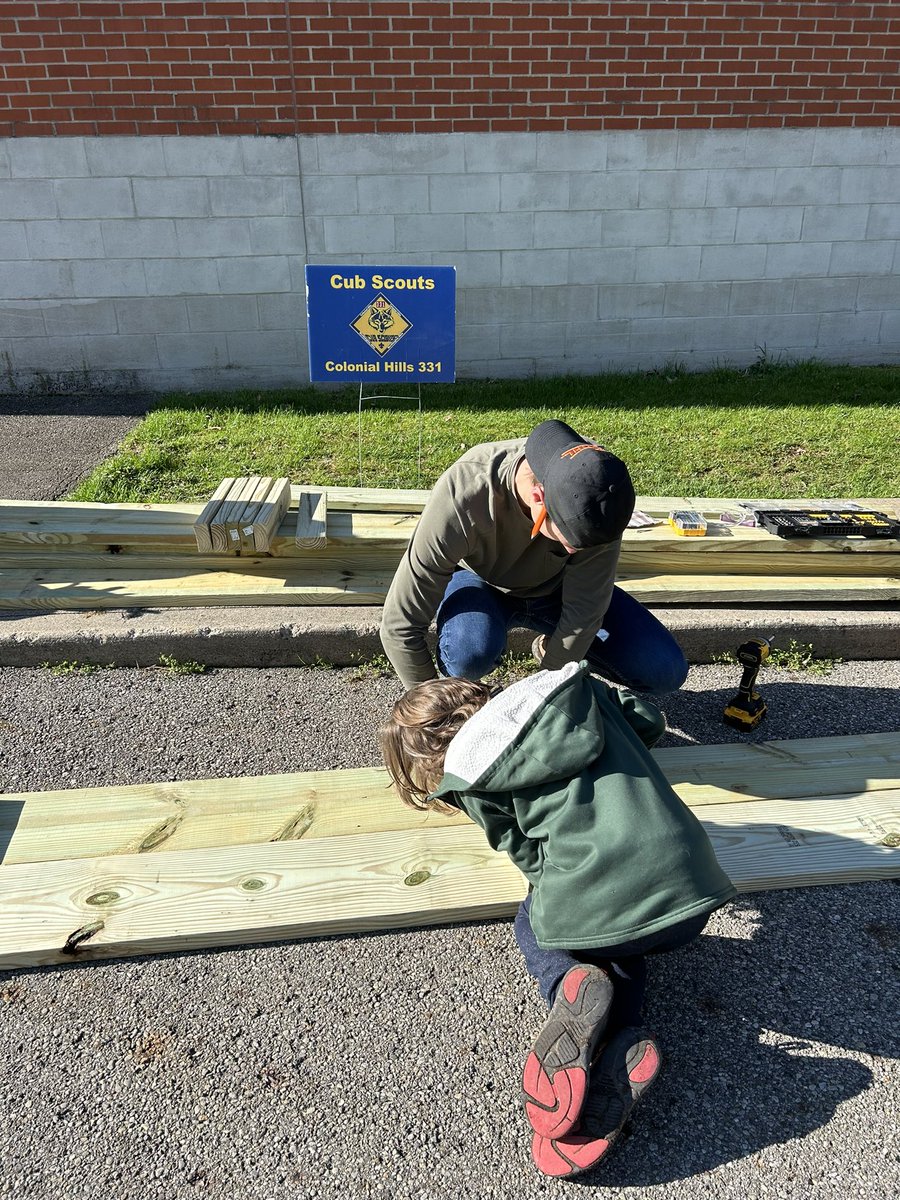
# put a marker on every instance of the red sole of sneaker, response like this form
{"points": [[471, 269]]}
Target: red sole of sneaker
{"points": [[555, 1080], [564, 1157], [645, 1069], [553, 1106]]}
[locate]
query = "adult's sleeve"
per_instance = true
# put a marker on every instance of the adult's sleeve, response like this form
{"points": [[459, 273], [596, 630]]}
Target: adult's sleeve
{"points": [[586, 592], [433, 554]]}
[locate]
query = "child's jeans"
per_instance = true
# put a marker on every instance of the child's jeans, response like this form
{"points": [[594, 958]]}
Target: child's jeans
{"points": [[473, 620], [625, 963]]}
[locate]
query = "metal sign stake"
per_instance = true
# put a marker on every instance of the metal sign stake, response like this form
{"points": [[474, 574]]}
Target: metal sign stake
{"points": [[387, 396]]}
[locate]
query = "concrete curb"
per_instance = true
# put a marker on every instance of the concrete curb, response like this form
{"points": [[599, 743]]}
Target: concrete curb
{"points": [[288, 636]]}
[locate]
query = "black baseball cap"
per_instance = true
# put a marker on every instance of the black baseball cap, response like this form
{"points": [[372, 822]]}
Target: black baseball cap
{"points": [[588, 492]]}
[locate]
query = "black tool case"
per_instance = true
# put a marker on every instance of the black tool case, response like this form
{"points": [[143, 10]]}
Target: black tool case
{"points": [[829, 523]]}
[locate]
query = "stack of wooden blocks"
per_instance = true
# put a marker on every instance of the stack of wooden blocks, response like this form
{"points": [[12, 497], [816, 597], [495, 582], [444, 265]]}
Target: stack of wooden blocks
{"points": [[243, 514]]}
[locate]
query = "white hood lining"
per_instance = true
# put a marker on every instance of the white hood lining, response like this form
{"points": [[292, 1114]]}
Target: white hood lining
{"points": [[487, 734]]}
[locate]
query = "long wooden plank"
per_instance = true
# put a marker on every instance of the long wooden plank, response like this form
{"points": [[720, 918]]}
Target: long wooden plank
{"points": [[304, 550], [414, 500], [132, 526], [285, 584], [807, 842], [783, 768], [405, 500], [58, 591], [96, 908], [202, 813]]}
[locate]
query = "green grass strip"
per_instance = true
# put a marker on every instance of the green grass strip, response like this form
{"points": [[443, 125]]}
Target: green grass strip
{"points": [[783, 431]]}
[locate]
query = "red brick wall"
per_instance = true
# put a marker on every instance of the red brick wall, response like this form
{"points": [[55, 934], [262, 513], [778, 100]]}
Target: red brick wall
{"points": [[389, 66]]}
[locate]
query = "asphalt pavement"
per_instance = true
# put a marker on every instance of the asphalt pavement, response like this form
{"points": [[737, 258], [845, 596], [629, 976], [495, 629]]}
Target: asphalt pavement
{"points": [[386, 1066], [48, 443]]}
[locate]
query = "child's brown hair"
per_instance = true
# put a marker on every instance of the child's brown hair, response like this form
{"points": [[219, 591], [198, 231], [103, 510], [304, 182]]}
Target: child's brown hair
{"points": [[422, 725]]}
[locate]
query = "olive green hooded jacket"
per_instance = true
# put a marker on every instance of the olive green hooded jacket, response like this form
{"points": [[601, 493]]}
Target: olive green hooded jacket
{"points": [[557, 772]]}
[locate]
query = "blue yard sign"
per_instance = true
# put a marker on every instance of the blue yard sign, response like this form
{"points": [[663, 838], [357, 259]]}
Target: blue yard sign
{"points": [[381, 324]]}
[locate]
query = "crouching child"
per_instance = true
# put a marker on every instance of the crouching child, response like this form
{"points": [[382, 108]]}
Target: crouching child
{"points": [[556, 771]]}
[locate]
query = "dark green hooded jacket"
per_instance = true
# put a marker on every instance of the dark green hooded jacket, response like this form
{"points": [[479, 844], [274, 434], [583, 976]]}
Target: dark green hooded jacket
{"points": [[556, 770]]}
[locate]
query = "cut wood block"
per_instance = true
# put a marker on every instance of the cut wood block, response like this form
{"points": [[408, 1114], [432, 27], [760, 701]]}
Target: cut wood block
{"points": [[102, 907], [234, 535], [251, 511], [270, 513], [312, 517], [202, 813], [218, 529], [202, 533]]}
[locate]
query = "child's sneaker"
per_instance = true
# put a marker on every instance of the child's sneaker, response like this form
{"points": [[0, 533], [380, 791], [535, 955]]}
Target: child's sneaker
{"points": [[627, 1066], [555, 1078]]}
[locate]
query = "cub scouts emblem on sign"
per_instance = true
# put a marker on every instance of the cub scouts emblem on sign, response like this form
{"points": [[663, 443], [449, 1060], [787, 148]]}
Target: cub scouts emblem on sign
{"points": [[381, 324]]}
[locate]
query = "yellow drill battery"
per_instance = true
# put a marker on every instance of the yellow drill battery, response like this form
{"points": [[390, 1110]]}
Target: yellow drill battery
{"points": [[687, 523]]}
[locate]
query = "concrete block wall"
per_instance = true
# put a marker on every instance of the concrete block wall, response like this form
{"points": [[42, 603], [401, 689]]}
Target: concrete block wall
{"points": [[177, 262], [151, 262]]}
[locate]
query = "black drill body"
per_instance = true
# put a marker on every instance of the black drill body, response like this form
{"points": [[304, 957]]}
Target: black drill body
{"points": [[747, 708]]}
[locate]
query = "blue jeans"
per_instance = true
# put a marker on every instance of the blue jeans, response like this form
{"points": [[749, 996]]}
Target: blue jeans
{"points": [[474, 618], [625, 963]]}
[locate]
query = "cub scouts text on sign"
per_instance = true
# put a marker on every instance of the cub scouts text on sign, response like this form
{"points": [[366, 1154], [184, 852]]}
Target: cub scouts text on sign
{"points": [[379, 281], [390, 321]]}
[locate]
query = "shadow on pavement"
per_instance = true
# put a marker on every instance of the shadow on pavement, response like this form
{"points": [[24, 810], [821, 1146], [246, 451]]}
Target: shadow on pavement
{"points": [[754, 1048], [77, 405]]}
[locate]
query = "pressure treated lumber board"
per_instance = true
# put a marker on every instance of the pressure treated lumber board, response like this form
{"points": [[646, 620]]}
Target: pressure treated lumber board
{"points": [[96, 908], [34, 523], [223, 521], [348, 585], [270, 513], [202, 534], [406, 500], [312, 519], [642, 560], [414, 500], [782, 769], [200, 814], [252, 511], [59, 556]]}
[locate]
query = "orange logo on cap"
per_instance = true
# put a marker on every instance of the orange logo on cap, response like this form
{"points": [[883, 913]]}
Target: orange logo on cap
{"points": [[573, 450]]}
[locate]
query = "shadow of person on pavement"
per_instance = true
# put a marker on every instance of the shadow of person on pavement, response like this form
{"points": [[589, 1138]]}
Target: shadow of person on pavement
{"points": [[757, 1035]]}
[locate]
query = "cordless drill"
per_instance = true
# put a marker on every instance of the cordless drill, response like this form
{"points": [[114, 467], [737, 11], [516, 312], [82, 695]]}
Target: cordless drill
{"points": [[747, 708]]}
